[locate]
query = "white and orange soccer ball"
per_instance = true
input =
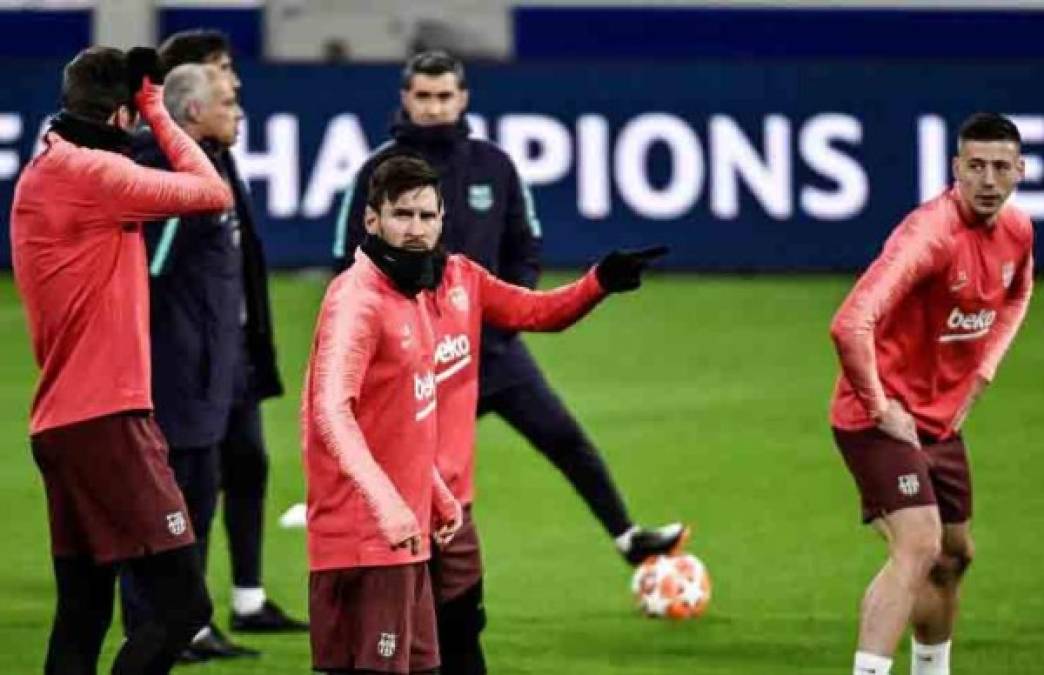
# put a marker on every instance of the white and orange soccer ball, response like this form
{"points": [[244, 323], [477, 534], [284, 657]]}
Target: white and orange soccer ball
{"points": [[672, 586]]}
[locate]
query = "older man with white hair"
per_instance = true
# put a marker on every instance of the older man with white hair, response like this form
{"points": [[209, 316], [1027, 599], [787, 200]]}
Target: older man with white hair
{"points": [[197, 318]]}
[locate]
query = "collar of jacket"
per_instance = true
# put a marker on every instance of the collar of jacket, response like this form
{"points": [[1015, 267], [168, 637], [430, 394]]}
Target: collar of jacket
{"points": [[437, 139], [90, 134]]}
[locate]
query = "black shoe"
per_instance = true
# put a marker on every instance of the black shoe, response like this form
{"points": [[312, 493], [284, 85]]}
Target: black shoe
{"points": [[269, 619], [666, 540], [214, 645]]}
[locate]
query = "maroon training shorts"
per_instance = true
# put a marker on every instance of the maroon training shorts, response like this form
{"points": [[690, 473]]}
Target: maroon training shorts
{"points": [[373, 618], [458, 566], [892, 475], [110, 492]]}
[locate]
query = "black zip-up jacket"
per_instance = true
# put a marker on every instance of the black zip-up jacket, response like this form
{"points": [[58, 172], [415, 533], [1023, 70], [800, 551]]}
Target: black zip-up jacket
{"points": [[489, 218], [209, 312]]}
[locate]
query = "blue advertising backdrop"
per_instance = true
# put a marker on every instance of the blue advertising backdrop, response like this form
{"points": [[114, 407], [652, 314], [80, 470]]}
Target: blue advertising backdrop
{"points": [[762, 165]]}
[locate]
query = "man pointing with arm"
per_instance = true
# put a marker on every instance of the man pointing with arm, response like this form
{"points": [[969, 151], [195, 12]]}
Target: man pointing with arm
{"points": [[369, 430]]}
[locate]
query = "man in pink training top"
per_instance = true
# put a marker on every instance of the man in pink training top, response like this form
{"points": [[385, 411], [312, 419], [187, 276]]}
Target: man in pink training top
{"points": [[919, 339], [79, 262], [467, 297], [369, 427]]}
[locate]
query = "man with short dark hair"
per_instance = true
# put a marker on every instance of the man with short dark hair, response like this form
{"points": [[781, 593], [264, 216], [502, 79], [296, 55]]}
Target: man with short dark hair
{"points": [[369, 429], [251, 377], [490, 218], [79, 261], [919, 338]]}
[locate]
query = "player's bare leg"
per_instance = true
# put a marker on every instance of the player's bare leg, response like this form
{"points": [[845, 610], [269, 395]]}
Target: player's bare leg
{"points": [[935, 607], [914, 537]]}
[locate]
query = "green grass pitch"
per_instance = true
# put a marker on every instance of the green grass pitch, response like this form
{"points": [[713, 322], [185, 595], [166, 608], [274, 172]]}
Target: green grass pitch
{"points": [[708, 398]]}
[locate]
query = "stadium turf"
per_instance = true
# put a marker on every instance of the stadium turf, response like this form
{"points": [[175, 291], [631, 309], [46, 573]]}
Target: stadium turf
{"points": [[708, 396]]}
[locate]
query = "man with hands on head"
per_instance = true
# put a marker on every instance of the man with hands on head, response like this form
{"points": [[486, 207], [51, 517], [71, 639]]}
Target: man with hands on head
{"points": [[79, 261]]}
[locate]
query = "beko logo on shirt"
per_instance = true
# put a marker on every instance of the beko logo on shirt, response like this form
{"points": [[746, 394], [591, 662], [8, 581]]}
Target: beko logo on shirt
{"points": [[452, 348], [969, 326]]}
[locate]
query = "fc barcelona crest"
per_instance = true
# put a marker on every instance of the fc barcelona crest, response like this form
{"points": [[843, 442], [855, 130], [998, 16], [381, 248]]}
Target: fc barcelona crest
{"points": [[480, 197], [386, 645], [176, 523], [1007, 273], [459, 298]]}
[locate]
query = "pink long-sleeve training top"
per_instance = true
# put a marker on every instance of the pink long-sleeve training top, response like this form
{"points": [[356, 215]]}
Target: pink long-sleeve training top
{"points": [[938, 308], [79, 262], [369, 425]]}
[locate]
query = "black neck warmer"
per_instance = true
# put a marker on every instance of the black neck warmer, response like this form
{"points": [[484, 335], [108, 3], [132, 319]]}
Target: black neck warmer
{"points": [[410, 271], [90, 134], [440, 137]]}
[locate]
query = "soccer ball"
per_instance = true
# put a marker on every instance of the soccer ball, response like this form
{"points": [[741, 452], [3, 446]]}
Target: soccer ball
{"points": [[674, 586]]}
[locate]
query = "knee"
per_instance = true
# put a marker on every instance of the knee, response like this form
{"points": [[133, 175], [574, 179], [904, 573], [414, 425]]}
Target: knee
{"points": [[919, 552], [952, 563]]}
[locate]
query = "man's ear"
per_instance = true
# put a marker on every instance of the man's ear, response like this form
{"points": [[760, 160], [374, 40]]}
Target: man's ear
{"points": [[371, 220], [193, 111]]}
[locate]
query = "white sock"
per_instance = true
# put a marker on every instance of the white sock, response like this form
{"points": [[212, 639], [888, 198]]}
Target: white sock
{"points": [[623, 542], [203, 632], [247, 600], [929, 659], [871, 664]]}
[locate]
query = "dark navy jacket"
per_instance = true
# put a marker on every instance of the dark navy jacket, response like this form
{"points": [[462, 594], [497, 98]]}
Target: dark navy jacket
{"points": [[489, 218], [210, 322]]}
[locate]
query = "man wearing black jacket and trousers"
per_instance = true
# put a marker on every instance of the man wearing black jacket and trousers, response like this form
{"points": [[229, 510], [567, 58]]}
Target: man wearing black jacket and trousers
{"points": [[244, 459], [490, 218], [212, 355]]}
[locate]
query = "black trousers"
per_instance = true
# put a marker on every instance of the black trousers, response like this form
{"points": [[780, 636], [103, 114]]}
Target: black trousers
{"points": [[172, 584], [534, 411], [244, 477]]}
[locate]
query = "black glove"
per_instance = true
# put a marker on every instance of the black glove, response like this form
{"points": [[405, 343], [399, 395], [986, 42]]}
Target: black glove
{"points": [[142, 62], [622, 270]]}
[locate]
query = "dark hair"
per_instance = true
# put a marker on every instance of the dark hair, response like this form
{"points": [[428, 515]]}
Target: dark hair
{"points": [[985, 126], [433, 63], [192, 46], [398, 175], [94, 83]]}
